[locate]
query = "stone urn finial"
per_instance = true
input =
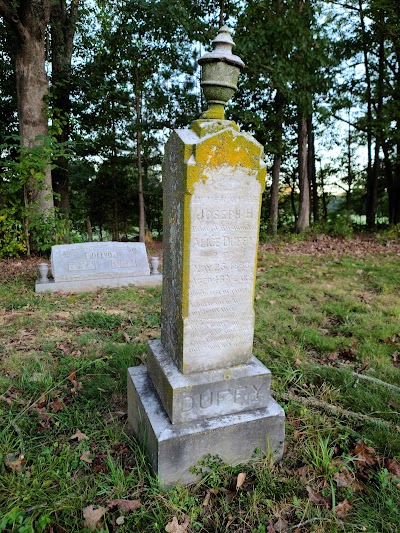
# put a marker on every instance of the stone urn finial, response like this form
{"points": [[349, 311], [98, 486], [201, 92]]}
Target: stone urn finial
{"points": [[220, 73]]}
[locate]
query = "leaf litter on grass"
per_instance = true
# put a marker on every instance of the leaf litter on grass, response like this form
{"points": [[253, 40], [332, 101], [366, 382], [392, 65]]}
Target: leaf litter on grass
{"points": [[337, 275]]}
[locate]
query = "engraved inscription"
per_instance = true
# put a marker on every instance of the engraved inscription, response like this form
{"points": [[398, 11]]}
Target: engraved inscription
{"points": [[223, 242], [222, 266], [123, 263], [246, 395], [67, 253], [224, 214], [98, 260], [82, 265], [223, 245], [100, 255]]}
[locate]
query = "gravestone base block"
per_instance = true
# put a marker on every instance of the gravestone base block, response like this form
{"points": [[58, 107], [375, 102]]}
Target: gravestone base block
{"points": [[90, 285], [207, 394], [174, 449]]}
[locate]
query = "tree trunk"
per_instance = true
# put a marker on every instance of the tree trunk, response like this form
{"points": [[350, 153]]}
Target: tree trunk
{"points": [[389, 180], [63, 23], [276, 167], [349, 172], [379, 123], [292, 199], [142, 217], [221, 12], [113, 161], [29, 20], [395, 201], [303, 219], [371, 200], [89, 229], [323, 196], [311, 168]]}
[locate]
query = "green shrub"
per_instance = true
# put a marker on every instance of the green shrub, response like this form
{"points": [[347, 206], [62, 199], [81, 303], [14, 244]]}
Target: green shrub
{"points": [[12, 235], [337, 226]]}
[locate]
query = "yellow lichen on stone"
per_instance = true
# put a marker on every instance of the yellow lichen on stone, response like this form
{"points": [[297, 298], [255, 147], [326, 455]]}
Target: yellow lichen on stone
{"points": [[221, 143], [210, 152]]}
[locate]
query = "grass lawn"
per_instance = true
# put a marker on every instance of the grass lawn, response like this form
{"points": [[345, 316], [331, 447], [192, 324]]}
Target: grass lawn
{"points": [[328, 327]]}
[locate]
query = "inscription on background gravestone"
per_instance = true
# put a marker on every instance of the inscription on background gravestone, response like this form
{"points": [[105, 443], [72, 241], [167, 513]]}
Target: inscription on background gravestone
{"points": [[98, 260]]}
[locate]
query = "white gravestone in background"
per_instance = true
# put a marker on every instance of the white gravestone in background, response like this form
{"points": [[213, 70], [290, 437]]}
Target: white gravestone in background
{"points": [[96, 260], [92, 265]]}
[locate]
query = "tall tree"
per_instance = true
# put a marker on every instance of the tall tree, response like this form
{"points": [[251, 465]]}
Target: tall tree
{"points": [[29, 20], [303, 218], [371, 181], [63, 20], [285, 50], [141, 53]]}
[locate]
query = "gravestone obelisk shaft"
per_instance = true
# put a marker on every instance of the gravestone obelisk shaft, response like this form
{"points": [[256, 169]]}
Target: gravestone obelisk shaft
{"points": [[203, 391]]}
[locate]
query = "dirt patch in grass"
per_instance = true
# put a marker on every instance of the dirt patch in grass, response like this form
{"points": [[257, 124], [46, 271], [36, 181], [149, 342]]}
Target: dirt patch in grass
{"points": [[358, 246]]}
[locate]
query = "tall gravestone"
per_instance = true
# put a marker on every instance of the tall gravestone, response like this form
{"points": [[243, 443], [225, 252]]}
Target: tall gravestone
{"points": [[203, 392]]}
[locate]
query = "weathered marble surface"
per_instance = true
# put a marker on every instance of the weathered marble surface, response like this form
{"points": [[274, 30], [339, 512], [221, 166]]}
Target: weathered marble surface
{"points": [[174, 449], [91, 285], [213, 179], [204, 392], [98, 260], [188, 397]]}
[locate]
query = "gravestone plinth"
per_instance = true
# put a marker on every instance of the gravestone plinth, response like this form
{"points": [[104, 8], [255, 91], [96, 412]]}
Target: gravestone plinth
{"points": [[203, 392], [92, 265]]}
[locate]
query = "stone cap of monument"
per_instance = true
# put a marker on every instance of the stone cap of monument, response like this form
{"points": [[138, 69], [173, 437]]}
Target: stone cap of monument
{"points": [[219, 74], [222, 44]]}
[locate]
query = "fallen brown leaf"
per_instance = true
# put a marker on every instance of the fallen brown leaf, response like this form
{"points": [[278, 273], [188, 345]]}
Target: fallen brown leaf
{"points": [[364, 454], [79, 436], [175, 527], [124, 505], [207, 499], [14, 462], [77, 386], [86, 457], [56, 406], [240, 480], [395, 405], [93, 516], [343, 508], [394, 467], [345, 478], [7, 400], [42, 402], [317, 498], [281, 525], [72, 375]]}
